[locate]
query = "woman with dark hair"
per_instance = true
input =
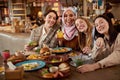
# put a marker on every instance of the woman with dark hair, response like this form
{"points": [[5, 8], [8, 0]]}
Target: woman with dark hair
{"points": [[110, 54], [45, 34]]}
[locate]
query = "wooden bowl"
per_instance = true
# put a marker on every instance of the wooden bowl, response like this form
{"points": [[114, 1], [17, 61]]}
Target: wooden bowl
{"points": [[56, 59]]}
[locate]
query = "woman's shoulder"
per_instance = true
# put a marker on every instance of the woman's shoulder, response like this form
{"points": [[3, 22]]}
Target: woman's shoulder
{"points": [[38, 28], [117, 40], [118, 36]]}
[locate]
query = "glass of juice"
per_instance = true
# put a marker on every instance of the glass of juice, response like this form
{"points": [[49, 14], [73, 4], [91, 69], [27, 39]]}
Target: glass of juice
{"points": [[59, 34]]}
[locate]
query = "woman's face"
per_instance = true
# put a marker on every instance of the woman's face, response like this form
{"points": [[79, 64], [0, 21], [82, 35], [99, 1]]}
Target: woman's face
{"points": [[69, 18], [81, 25], [50, 19], [101, 25]]}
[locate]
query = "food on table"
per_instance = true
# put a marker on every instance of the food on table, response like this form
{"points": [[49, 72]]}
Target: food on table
{"points": [[64, 67], [30, 66], [18, 56], [33, 56], [57, 74], [48, 75], [37, 50], [55, 71], [19, 53], [36, 56], [45, 51], [33, 43], [54, 60], [60, 50], [44, 71], [72, 54]]}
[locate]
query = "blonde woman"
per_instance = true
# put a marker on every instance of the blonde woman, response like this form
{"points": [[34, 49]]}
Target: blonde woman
{"points": [[85, 39], [87, 43]]}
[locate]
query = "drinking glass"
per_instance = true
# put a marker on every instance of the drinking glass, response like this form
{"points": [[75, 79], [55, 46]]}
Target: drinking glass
{"points": [[5, 55], [59, 34], [2, 71]]}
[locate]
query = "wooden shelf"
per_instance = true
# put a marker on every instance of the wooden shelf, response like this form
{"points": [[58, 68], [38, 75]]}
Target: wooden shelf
{"points": [[17, 4], [18, 9], [19, 14]]}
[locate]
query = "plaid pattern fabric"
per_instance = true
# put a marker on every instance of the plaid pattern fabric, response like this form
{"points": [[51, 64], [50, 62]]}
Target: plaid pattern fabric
{"points": [[50, 39]]}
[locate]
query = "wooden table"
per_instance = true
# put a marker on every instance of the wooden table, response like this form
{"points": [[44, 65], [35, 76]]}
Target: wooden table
{"points": [[111, 73]]}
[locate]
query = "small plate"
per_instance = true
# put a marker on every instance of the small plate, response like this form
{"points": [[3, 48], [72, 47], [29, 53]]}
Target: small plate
{"points": [[41, 64], [61, 50]]}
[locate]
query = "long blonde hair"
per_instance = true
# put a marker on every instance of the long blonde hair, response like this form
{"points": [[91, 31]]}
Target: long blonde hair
{"points": [[82, 40]]}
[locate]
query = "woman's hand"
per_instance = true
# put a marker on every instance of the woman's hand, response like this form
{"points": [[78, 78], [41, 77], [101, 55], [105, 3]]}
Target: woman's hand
{"points": [[100, 42], [88, 67], [27, 47], [86, 50]]}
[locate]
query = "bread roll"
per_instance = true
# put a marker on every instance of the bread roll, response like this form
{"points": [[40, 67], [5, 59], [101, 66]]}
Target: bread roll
{"points": [[64, 67]]}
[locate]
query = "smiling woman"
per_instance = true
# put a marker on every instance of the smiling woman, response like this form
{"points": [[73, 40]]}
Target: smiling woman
{"points": [[45, 34], [68, 28], [109, 55]]}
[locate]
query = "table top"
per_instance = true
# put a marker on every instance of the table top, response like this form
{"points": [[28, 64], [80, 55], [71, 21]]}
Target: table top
{"points": [[111, 73]]}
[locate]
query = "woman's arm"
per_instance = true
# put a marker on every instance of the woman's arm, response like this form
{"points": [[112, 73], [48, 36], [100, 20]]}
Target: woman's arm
{"points": [[114, 57], [111, 60]]}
